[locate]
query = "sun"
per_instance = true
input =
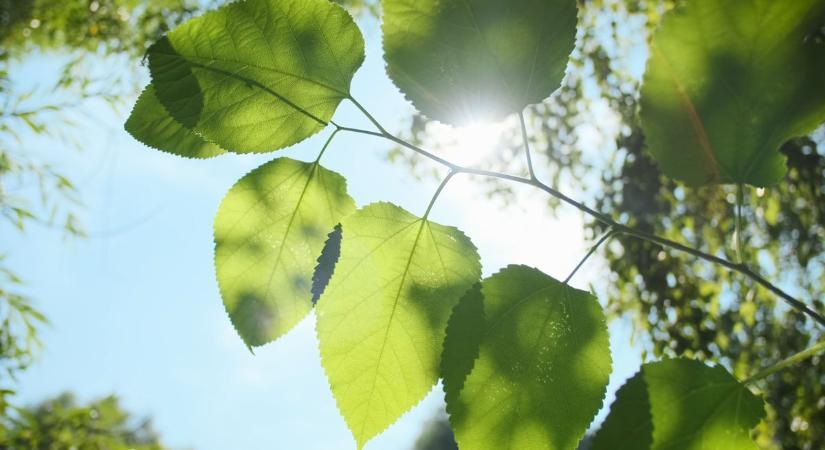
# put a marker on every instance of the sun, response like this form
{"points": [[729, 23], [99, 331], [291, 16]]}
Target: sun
{"points": [[471, 145]]}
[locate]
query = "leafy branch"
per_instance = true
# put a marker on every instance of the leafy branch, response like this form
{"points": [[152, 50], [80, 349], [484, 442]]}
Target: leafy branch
{"points": [[617, 227], [399, 299]]}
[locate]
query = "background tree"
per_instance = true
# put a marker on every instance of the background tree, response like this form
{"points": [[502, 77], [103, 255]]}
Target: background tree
{"points": [[62, 423]]}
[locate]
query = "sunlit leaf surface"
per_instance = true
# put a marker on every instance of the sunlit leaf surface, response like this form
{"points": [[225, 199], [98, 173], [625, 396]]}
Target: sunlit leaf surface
{"points": [[269, 231], [258, 75], [382, 318]]}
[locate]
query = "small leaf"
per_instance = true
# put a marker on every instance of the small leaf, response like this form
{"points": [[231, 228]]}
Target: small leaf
{"points": [[542, 367], [465, 330], [269, 230], [461, 61], [728, 82], [152, 125], [326, 263], [258, 75], [681, 404], [382, 318]]}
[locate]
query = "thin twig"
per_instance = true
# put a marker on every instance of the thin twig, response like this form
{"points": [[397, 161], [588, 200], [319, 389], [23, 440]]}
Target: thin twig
{"points": [[740, 199], [438, 192], [787, 362], [526, 142], [593, 249], [603, 218]]}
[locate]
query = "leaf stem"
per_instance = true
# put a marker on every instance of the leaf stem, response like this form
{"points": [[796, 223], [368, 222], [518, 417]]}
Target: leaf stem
{"points": [[326, 144], [740, 199], [438, 192], [526, 140], [603, 218], [593, 249], [787, 362]]}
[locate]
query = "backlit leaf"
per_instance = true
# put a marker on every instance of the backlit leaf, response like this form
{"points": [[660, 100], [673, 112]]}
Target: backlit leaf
{"points": [[542, 364], [728, 82], [681, 404], [269, 231], [382, 318], [460, 61], [152, 125], [258, 75]]}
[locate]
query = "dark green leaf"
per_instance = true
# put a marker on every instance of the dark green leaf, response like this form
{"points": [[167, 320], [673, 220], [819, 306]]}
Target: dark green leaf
{"points": [[681, 404], [728, 82], [151, 124], [542, 367], [465, 330], [461, 61], [326, 263]]}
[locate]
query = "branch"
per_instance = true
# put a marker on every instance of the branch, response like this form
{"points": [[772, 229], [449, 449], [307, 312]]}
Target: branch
{"points": [[593, 249], [603, 218], [787, 362], [526, 142]]}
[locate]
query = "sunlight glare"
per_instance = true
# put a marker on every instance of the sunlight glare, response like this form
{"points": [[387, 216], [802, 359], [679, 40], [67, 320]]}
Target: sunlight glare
{"points": [[473, 145]]}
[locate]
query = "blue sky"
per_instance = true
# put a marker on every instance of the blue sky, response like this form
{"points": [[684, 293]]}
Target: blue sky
{"points": [[135, 308]]}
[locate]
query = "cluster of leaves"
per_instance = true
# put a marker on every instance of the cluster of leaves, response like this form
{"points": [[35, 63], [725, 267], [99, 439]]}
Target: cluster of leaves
{"points": [[404, 304], [61, 423], [680, 305]]}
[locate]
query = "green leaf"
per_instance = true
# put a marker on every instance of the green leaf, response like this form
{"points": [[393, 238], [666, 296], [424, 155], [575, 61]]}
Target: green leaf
{"points": [[258, 75], [728, 82], [326, 263], [465, 330], [152, 125], [542, 367], [269, 230], [461, 61], [681, 404], [382, 318]]}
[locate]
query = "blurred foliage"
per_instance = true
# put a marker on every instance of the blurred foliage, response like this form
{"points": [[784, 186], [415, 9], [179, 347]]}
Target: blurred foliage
{"points": [[61, 423], [589, 143], [18, 326], [436, 435], [79, 34]]}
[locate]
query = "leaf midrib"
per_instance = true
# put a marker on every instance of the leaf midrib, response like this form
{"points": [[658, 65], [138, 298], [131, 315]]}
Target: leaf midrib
{"points": [[205, 62], [389, 326]]}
